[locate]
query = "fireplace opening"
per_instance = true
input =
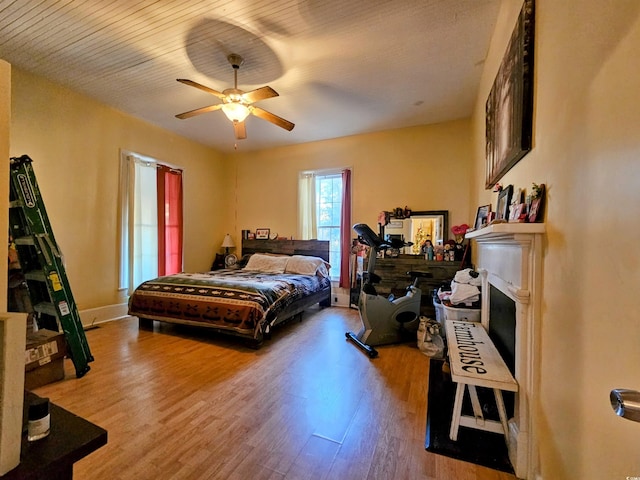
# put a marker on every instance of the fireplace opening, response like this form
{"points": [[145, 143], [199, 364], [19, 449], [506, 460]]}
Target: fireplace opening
{"points": [[502, 331]]}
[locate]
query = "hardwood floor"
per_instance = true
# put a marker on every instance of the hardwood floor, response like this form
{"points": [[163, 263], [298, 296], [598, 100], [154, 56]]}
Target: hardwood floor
{"points": [[182, 403]]}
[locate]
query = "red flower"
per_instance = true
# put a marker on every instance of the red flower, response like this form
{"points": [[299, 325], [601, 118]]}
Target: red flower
{"points": [[460, 229]]}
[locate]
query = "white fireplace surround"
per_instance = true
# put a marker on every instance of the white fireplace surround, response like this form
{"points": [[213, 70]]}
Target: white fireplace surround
{"points": [[509, 257]]}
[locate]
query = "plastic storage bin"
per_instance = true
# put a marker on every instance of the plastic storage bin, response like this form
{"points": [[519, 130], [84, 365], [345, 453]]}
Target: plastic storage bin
{"points": [[439, 312], [459, 313]]}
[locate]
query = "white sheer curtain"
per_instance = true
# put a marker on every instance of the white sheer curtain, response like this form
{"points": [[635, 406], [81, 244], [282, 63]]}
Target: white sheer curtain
{"points": [[307, 206], [145, 225], [139, 222]]}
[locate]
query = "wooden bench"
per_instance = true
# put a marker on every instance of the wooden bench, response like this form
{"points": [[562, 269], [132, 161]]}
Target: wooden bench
{"points": [[475, 362]]}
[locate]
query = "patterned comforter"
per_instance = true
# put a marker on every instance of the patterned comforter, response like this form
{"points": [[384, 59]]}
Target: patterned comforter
{"points": [[243, 302]]}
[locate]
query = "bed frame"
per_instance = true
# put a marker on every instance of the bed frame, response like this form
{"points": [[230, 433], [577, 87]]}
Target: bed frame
{"points": [[316, 248]]}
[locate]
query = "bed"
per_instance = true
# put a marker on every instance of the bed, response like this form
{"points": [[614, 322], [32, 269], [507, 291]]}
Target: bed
{"points": [[275, 281]]}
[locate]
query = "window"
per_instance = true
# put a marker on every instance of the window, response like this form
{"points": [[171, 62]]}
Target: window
{"points": [[150, 220], [325, 214], [328, 212]]}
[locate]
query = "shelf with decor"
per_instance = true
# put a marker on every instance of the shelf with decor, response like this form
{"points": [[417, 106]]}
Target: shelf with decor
{"points": [[510, 228]]}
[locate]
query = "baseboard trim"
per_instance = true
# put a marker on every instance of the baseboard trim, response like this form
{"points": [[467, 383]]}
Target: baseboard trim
{"points": [[95, 316]]}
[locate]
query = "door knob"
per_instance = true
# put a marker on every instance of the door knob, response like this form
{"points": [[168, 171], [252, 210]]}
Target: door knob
{"points": [[626, 403]]}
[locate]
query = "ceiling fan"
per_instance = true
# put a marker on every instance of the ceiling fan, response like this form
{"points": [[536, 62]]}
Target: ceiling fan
{"points": [[236, 104]]}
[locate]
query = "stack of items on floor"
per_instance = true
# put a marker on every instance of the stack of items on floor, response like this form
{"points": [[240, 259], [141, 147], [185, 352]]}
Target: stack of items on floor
{"points": [[430, 341], [459, 299], [455, 300]]}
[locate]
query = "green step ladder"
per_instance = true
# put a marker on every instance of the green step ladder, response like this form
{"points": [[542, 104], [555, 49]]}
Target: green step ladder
{"points": [[41, 262]]}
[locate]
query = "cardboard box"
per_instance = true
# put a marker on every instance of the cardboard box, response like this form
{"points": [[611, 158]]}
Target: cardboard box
{"points": [[44, 358]]}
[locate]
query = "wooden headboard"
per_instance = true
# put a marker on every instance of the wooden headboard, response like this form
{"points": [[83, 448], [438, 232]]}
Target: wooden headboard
{"points": [[316, 248]]}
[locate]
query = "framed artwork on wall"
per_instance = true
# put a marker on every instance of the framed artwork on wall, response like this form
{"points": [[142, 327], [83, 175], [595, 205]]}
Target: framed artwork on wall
{"points": [[509, 107]]}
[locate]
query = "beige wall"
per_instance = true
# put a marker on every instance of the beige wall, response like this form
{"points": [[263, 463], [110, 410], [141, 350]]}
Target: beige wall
{"points": [[75, 144], [425, 168], [5, 118], [587, 151]]}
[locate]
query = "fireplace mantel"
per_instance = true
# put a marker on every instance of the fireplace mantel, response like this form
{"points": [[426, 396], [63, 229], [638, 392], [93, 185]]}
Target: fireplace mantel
{"points": [[509, 257], [495, 230]]}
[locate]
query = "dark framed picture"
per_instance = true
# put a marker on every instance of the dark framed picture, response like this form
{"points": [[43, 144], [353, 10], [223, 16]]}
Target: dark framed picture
{"points": [[482, 217], [509, 107], [262, 233], [504, 200]]}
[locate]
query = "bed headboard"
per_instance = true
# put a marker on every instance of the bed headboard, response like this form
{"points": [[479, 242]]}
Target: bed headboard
{"points": [[316, 248]]}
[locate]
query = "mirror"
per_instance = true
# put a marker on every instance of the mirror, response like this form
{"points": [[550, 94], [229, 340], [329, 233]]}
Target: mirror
{"points": [[420, 226]]}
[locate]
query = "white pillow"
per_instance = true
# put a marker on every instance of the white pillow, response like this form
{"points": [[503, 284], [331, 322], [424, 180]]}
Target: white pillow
{"points": [[306, 265], [267, 263]]}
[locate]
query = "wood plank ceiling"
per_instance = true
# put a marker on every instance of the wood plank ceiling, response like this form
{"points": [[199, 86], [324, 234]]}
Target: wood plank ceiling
{"points": [[341, 68]]}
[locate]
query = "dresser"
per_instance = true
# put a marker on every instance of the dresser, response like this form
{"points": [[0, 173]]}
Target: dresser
{"points": [[393, 271]]}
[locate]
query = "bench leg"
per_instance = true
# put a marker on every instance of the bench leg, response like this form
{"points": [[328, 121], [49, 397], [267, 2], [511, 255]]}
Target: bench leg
{"points": [[475, 403], [502, 412], [457, 411]]}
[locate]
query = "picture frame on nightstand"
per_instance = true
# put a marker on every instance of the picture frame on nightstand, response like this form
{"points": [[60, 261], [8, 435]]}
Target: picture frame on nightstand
{"points": [[262, 233]]}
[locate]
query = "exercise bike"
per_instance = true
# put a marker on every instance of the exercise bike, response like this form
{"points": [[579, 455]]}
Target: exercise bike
{"points": [[385, 320]]}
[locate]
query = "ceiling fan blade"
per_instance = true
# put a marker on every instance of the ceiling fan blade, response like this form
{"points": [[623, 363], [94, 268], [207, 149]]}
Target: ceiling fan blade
{"points": [[240, 130], [258, 94], [202, 87], [198, 111], [270, 117]]}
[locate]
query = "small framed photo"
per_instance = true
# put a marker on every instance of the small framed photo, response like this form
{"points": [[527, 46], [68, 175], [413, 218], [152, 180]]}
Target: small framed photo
{"points": [[262, 233], [482, 217], [251, 236], [535, 211], [515, 212], [504, 200]]}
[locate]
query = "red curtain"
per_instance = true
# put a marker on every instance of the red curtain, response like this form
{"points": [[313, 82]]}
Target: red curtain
{"points": [[169, 220], [345, 230]]}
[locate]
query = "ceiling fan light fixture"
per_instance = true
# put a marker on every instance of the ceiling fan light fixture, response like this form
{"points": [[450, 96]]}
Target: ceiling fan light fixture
{"points": [[236, 112], [237, 105]]}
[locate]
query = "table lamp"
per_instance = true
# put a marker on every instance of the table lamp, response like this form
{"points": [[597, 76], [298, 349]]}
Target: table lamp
{"points": [[227, 243]]}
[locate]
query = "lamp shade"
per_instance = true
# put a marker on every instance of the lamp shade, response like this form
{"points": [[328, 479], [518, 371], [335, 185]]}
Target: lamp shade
{"points": [[228, 242]]}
